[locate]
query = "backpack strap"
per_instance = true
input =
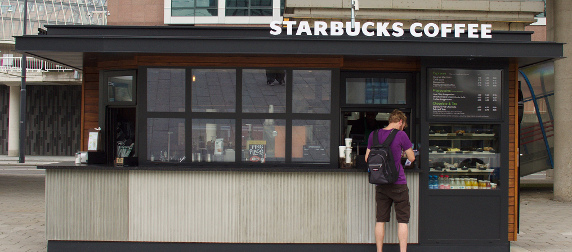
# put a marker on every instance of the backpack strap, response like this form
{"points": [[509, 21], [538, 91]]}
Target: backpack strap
{"points": [[390, 138], [376, 138]]}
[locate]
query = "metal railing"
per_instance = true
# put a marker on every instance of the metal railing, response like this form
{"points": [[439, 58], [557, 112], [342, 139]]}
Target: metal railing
{"points": [[14, 64]]}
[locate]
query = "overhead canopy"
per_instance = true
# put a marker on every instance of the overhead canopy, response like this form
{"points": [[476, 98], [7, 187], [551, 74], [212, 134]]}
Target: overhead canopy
{"points": [[67, 45]]}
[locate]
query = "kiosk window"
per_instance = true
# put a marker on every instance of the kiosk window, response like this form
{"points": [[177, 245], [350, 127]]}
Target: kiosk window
{"points": [[214, 90], [311, 141], [165, 90], [263, 140], [264, 91], [165, 139], [213, 140], [312, 91], [283, 116], [120, 89], [375, 91]]}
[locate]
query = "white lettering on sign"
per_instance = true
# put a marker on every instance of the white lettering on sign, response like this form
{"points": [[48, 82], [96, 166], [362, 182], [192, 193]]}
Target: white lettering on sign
{"points": [[379, 29]]}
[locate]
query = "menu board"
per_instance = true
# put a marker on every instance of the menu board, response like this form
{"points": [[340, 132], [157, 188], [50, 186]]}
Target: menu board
{"points": [[464, 94]]}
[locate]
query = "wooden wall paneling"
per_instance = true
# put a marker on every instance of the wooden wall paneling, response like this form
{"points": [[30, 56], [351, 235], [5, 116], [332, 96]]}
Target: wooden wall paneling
{"points": [[239, 61], [513, 151], [381, 65]]}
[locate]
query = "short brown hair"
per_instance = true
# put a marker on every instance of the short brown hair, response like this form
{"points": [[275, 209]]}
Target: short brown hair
{"points": [[396, 115]]}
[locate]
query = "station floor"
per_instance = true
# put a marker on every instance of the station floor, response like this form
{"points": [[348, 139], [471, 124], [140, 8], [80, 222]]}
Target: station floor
{"points": [[545, 224]]}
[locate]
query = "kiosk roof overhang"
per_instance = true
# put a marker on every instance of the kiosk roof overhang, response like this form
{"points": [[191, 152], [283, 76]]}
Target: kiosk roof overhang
{"points": [[67, 45]]}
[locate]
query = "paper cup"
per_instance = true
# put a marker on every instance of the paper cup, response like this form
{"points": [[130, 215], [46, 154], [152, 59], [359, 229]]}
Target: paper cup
{"points": [[348, 142], [342, 151], [348, 155]]}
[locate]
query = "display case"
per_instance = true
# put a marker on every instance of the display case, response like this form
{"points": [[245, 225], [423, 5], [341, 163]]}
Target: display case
{"points": [[463, 156]]}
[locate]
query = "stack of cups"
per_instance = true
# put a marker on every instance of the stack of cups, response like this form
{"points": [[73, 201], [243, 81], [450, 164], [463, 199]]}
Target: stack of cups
{"points": [[348, 150]]}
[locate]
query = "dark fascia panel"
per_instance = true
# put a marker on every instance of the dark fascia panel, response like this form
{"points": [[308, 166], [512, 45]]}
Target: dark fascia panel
{"points": [[258, 41]]}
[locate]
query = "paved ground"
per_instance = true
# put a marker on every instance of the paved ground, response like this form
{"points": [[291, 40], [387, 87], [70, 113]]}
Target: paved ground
{"points": [[22, 217], [546, 225]]}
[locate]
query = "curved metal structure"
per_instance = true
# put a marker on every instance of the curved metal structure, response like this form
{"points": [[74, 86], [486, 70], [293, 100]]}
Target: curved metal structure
{"points": [[46, 12]]}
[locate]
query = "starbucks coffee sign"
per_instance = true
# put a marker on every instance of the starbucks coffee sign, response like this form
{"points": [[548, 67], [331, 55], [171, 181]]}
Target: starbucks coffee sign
{"points": [[379, 29]]}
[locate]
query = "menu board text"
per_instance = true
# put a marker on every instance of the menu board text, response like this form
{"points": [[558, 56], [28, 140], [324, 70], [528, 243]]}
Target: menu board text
{"points": [[464, 94]]}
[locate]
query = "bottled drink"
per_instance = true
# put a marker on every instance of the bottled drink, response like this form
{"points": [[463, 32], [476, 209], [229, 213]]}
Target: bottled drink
{"points": [[453, 183], [468, 183], [430, 181], [447, 182], [441, 182], [474, 183]]}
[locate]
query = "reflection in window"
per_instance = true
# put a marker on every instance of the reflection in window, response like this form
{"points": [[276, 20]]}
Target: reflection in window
{"points": [[213, 140], [312, 91], [263, 91], [311, 141], [120, 88], [214, 90], [165, 90], [375, 91], [194, 8], [248, 8], [263, 140], [166, 139]]}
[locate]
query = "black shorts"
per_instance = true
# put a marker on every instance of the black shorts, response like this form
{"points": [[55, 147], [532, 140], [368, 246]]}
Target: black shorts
{"points": [[397, 194]]}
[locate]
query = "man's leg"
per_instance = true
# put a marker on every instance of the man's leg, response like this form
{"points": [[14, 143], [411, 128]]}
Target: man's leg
{"points": [[402, 232], [379, 234]]}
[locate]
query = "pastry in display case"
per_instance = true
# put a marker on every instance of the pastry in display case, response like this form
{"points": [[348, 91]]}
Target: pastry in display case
{"points": [[463, 156]]}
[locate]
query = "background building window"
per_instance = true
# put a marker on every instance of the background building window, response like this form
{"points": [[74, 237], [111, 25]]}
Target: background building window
{"points": [[249, 8], [194, 8]]}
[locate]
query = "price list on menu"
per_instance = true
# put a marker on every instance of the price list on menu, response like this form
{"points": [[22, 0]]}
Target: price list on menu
{"points": [[464, 94]]}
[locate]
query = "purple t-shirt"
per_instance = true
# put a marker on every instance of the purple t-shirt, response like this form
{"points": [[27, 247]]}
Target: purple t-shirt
{"points": [[400, 143]]}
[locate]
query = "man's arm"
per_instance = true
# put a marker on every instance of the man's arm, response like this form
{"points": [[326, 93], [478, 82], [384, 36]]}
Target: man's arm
{"points": [[367, 154], [410, 155]]}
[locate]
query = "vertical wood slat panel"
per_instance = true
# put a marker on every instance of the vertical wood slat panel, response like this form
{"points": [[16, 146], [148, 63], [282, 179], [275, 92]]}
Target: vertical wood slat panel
{"points": [[86, 205], [258, 207]]}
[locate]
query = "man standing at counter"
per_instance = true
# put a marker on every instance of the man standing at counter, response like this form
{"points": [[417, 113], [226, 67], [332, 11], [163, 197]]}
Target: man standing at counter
{"points": [[397, 193]]}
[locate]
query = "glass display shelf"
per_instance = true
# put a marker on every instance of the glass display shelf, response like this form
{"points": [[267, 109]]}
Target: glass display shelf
{"points": [[463, 156]]}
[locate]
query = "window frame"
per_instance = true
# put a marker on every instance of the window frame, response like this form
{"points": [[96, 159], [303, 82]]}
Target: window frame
{"points": [[249, 9], [194, 8], [238, 116]]}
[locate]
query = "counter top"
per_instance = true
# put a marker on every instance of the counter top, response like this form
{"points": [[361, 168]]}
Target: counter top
{"points": [[201, 167]]}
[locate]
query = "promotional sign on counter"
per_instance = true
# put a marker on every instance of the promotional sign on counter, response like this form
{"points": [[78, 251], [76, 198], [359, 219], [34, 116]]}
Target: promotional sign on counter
{"points": [[464, 94]]}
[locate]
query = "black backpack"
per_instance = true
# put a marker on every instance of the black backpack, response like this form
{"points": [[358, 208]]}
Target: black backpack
{"points": [[380, 163]]}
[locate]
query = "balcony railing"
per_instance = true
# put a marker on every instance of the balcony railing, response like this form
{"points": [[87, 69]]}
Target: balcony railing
{"points": [[14, 64]]}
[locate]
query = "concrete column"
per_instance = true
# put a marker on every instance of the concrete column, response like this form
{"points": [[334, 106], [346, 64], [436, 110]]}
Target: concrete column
{"points": [[562, 19], [14, 122]]}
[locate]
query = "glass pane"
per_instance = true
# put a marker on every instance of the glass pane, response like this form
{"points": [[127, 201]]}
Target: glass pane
{"points": [[207, 3], [463, 156], [165, 90], [236, 12], [264, 91], [213, 140], [311, 141], [311, 91], [166, 139], [263, 140], [182, 12], [375, 91], [261, 3], [182, 3], [206, 12], [260, 12], [214, 90], [236, 3], [120, 88]]}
